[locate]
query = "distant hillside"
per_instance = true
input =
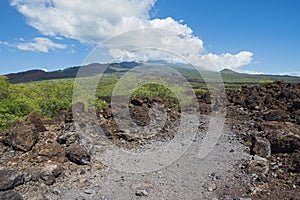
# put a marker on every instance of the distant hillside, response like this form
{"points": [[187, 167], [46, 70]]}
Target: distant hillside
{"points": [[229, 76], [90, 70], [228, 71]]}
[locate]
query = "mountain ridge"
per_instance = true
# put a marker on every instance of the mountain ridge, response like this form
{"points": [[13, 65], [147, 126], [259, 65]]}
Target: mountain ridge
{"points": [[123, 67]]}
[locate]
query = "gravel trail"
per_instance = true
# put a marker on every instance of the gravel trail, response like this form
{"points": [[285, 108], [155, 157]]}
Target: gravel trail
{"points": [[189, 177]]}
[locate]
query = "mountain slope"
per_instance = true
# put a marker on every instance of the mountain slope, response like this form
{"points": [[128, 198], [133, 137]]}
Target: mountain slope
{"points": [[90, 70], [229, 76]]}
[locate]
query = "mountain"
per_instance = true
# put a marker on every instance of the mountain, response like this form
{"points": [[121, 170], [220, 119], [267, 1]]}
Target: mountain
{"points": [[229, 76], [89, 70], [228, 71]]}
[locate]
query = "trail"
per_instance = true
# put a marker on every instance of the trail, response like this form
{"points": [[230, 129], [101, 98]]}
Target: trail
{"points": [[189, 177]]}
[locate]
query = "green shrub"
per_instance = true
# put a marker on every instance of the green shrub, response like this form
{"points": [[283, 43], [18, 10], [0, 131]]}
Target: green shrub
{"points": [[265, 81]]}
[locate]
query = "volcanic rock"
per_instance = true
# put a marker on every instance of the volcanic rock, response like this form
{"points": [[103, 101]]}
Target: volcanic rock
{"points": [[67, 138], [258, 166], [35, 118], [22, 135], [141, 193], [275, 115], [78, 154], [51, 151], [261, 147], [10, 195], [9, 179], [140, 115], [50, 172], [284, 143]]}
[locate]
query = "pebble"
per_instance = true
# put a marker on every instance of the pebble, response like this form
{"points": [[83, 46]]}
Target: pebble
{"points": [[274, 175], [88, 191], [211, 187], [141, 193]]}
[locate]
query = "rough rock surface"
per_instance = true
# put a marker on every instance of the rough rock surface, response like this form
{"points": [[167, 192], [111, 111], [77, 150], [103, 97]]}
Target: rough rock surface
{"points": [[50, 172], [10, 195], [261, 147], [269, 113], [36, 119], [9, 179], [22, 135], [258, 165], [78, 154]]}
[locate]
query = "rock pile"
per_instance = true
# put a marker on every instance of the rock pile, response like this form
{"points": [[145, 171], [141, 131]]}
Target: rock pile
{"points": [[38, 150], [130, 131], [266, 118]]}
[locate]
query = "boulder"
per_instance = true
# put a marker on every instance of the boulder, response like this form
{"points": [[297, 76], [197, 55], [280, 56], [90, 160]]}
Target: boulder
{"points": [[261, 147], [283, 136], [51, 151], [50, 172], [253, 100], [67, 138], [77, 154], [284, 143], [22, 135], [35, 118], [275, 115], [9, 179], [140, 115]]}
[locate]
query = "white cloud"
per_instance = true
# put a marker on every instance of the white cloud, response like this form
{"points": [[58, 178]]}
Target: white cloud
{"points": [[250, 72], [40, 44], [87, 21], [290, 74], [92, 21], [227, 60], [4, 43]]}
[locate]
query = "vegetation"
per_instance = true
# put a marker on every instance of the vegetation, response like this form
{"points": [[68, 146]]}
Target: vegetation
{"points": [[265, 82], [48, 97]]}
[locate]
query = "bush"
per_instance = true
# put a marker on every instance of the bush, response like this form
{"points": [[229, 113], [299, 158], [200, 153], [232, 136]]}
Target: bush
{"points": [[46, 98], [265, 81]]}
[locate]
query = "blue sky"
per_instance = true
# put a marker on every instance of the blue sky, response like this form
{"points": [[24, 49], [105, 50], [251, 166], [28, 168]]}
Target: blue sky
{"points": [[244, 35]]}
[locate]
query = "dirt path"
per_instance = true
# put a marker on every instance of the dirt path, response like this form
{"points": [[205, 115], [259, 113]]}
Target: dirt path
{"points": [[189, 177]]}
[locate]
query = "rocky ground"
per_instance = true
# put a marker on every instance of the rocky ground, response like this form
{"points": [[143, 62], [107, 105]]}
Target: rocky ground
{"points": [[257, 155]]}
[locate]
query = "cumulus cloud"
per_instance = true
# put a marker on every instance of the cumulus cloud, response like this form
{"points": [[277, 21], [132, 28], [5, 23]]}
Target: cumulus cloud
{"points": [[40, 44], [93, 21], [85, 20]]}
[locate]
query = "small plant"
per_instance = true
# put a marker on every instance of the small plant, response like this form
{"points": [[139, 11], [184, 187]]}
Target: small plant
{"points": [[293, 174], [265, 81], [200, 91]]}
